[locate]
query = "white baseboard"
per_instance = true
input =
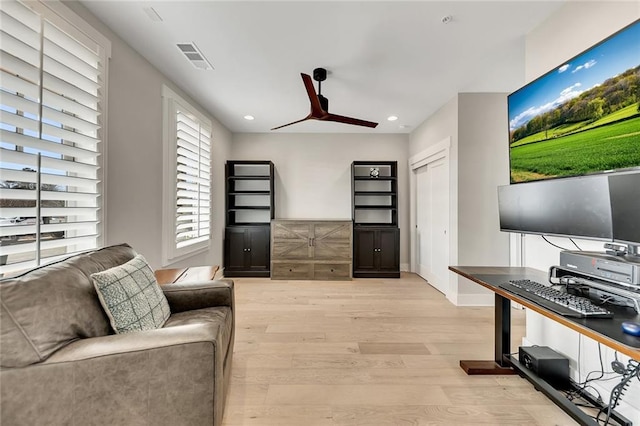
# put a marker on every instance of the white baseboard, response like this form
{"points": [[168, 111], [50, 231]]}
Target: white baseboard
{"points": [[471, 299], [404, 267]]}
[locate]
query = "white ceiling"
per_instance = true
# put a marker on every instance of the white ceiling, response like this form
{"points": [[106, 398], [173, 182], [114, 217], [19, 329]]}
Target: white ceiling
{"points": [[384, 57]]}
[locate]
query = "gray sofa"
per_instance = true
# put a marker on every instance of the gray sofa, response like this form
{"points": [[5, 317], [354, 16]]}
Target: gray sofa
{"points": [[61, 364]]}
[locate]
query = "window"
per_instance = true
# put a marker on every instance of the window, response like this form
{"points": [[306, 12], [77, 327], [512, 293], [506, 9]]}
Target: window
{"points": [[187, 184], [52, 98]]}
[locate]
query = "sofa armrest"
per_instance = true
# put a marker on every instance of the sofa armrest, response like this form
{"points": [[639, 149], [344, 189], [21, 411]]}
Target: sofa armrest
{"points": [[158, 377], [115, 344], [199, 294]]}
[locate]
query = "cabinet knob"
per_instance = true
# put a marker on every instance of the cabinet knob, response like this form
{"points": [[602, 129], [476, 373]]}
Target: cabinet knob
{"points": [[248, 249], [331, 269]]}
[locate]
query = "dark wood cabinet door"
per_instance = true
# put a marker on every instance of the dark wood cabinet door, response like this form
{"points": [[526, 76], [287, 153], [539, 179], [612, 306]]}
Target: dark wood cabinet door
{"points": [[257, 241], [364, 254], [235, 249], [388, 252], [246, 251], [376, 252]]}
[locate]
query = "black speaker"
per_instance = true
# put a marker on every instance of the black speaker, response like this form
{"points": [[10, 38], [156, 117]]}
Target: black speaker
{"points": [[547, 364]]}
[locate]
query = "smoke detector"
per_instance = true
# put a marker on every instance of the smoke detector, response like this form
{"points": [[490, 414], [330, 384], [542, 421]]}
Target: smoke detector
{"points": [[447, 19], [193, 55]]}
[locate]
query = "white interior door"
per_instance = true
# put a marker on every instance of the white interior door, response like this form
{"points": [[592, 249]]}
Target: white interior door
{"points": [[432, 223], [423, 223]]}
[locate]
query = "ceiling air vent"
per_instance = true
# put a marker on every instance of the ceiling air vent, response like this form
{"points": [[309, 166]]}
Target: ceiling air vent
{"points": [[194, 56]]}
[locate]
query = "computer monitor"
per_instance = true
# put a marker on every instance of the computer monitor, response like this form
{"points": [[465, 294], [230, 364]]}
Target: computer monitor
{"points": [[624, 193], [573, 207]]}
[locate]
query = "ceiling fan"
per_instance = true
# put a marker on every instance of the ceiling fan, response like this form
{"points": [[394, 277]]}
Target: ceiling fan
{"points": [[320, 104]]}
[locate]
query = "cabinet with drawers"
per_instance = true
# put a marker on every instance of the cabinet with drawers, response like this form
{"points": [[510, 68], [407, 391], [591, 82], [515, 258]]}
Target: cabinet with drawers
{"points": [[311, 249]]}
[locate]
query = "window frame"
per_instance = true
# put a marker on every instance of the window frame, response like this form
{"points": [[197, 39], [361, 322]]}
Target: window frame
{"points": [[171, 102]]}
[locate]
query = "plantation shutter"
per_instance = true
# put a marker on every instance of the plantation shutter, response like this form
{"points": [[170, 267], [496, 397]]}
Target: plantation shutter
{"points": [[51, 99], [193, 144]]}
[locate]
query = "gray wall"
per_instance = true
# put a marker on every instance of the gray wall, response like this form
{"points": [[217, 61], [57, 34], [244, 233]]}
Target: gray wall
{"points": [[483, 164], [477, 126], [313, 172], [134, 171]]}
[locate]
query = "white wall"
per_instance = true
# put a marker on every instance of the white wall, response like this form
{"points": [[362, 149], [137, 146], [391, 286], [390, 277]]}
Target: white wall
{"points": [[574, 28], [313, 172], [442, 124], [134, 154]]}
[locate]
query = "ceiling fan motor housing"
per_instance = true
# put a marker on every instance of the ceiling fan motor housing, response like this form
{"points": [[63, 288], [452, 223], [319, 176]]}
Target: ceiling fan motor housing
{"points": [[324, 103], [320, 74]]}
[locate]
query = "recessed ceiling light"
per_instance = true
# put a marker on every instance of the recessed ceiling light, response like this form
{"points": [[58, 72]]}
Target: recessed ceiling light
{"points": [[392, 118], [249, 117], [447, 19]]}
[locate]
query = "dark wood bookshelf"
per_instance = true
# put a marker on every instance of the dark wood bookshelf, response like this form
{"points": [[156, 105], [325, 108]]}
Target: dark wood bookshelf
{"points": [[250, 207], [376, 236]]}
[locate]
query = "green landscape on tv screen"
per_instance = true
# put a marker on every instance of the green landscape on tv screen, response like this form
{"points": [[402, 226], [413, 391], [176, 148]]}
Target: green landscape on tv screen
{"points": [[582, 117]]}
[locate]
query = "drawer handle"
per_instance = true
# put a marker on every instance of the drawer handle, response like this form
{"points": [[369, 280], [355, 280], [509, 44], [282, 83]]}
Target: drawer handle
{"points": [[331, 269], [290, 270]]}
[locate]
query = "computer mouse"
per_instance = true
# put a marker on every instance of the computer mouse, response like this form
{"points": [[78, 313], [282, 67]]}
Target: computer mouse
{"points": [[632, 328]]}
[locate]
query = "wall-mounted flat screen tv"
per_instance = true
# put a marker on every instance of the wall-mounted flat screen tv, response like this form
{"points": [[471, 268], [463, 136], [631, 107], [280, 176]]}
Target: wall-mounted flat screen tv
{"points": [[582, 117]]}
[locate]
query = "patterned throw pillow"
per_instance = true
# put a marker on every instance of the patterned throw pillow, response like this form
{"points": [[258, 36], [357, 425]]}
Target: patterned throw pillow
{"points": [[131, 296]]}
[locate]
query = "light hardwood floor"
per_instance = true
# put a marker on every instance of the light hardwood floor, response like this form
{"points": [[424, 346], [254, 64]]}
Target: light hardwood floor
{"points": [[369, 352]]}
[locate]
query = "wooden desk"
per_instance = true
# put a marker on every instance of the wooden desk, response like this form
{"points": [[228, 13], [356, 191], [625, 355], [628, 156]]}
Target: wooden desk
{"points": [[605, 331], [193, 273]]}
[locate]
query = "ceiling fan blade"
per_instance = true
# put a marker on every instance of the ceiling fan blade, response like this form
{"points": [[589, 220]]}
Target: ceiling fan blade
{"points": [[348, 120], [316, 108], [308, 117]]}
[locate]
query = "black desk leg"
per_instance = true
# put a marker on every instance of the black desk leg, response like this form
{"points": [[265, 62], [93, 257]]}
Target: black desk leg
{"points": [[502, 308], [502, 318]]}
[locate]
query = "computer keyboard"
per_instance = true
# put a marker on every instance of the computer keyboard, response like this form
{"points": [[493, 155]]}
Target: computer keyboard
{"points": [[560, 302]]}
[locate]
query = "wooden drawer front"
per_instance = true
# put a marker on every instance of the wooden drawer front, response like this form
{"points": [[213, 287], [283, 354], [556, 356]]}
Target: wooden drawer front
{"points": [[332, 250], [291, 250], [291, 271], [332, 271]]}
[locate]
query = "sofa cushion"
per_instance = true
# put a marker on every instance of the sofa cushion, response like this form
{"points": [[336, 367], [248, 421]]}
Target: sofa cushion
{"points": [[47, 307], [220, 315], [131, 296]]}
